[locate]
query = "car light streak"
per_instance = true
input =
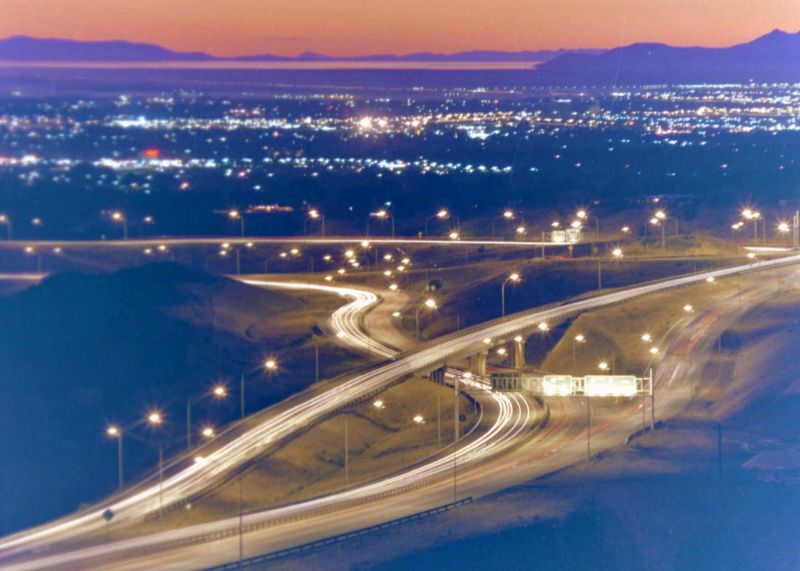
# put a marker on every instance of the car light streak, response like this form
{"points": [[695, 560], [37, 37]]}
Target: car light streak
{"points": [[194, 478]]}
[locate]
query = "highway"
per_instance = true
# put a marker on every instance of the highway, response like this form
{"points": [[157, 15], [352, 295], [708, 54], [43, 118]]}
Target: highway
{"points": [[505, 416], [426, 479], [171, 242], [347, 320]]}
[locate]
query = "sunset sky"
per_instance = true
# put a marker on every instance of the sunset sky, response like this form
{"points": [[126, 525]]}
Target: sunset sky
{"points": [[350, 27]]}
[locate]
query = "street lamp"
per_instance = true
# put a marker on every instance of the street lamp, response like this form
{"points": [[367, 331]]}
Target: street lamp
{"points": [[155, 419], [114, 431], [119, 217], [5, 220], [234, 215], [580, 338], [270, 365], [508, 215], [755, 216], [226, 248], [382, 214], [784, 228], [217, 392], [429, 304], [658, 219], [513, 278], [317, 216], [583, 216], [442, 214]]}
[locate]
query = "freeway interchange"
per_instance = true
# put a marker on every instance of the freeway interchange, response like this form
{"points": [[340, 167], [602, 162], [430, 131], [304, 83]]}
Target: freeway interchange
{"points": [[479, 464]]}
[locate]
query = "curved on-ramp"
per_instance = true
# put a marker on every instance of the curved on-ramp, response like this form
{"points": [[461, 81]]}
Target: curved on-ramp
{"points": [[435, 354]]}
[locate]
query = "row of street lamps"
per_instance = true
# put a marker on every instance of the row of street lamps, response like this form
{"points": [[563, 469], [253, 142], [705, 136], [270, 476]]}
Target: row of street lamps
{"points": [[155, 419]]}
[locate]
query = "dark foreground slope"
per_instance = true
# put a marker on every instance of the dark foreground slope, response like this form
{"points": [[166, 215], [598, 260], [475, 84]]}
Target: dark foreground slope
{"points": [[80, 350]]}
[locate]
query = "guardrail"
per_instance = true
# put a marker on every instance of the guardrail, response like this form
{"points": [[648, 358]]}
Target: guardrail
{"points": [[339, 538]]}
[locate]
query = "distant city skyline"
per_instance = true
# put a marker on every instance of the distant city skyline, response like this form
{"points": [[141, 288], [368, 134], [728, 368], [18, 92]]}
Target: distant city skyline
{"points": [[356, 27]]}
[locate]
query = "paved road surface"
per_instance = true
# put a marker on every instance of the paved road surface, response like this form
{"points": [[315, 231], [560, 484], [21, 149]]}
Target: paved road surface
{"points": [[415, 489]]}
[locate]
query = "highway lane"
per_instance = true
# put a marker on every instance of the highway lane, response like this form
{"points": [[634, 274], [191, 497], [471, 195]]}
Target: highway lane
{"points": [[155, 242], [511, 414], [346, 324], [347, 320], [561, 443], [430, 356]]}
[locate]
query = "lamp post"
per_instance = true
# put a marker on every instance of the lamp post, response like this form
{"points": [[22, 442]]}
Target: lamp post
{"points": [[235, 215], [430, 304], [508, 215], [119, 217], [617, 254], [218, 392], [659, 219], [513, 278], [155, 419], [225, 249], [783, 228], [583, 216], [315, 215], [5, 220], [442, 214], [114, 431], [270, 365], [578, 339], [382, 214]]}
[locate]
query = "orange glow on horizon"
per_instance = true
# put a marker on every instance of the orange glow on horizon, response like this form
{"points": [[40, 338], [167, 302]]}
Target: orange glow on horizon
{"points": [[354, 27]]}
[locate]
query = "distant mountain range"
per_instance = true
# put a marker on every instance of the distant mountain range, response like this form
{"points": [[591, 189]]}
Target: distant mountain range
{"points": [[774, 57], [27, 49], [466, 56]]}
